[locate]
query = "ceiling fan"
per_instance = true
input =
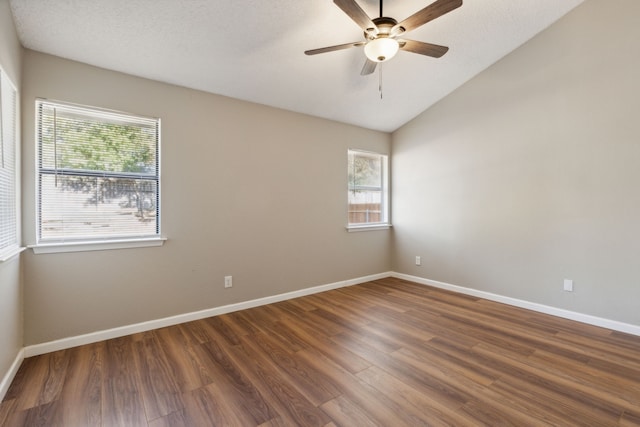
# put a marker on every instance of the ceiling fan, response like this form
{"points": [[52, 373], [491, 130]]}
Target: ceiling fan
{"points": [[383, 35]]}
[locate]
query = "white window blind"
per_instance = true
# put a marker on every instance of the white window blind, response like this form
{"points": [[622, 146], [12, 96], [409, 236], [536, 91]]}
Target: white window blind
{"points": [[98, 174], [367, 188], [8, 168]]}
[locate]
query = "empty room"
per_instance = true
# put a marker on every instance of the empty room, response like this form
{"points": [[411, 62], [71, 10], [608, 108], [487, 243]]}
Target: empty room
{"points": [[319, 213]]}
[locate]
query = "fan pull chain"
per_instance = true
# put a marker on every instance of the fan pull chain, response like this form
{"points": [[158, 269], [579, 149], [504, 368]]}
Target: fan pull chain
{"points": [[380, 65], [380, 80]]}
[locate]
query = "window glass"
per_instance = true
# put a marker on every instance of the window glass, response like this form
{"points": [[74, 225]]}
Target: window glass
{"points": [[367, 188], [9, 209], [98, 174]]}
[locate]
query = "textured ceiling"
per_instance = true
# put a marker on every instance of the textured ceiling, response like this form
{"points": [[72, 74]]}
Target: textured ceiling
{"points": [[253, 49]]}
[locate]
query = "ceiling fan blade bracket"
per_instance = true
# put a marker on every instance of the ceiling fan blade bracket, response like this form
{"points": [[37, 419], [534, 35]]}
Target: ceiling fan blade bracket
{"points": [[397, 30]]}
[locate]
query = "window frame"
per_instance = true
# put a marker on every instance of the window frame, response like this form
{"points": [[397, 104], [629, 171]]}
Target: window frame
{"points": [[385, 222], [99, 242], [11, 248]]}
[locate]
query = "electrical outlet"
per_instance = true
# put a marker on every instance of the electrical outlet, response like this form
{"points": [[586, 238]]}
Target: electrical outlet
{"points": [[418, 260], [228, 281], [568, 285]]}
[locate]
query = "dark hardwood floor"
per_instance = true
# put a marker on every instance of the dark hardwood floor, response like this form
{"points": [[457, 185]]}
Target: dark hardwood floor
{"points": [[384, 353]]}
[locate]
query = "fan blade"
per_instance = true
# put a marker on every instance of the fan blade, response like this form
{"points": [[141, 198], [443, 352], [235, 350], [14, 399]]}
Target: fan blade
{"points": [[429, 13], [422, 48], [332, 48], [355, 12], [368, 68]]}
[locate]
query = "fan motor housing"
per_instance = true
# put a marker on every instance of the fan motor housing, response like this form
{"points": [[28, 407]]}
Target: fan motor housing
{"points": [[384, 25]]}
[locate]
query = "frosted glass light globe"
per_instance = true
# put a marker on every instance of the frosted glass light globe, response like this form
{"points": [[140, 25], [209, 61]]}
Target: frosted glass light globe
{"points": [[381, 49]]}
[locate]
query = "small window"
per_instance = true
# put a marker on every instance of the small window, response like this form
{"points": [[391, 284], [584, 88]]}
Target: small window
{"points": [[98, 175], [367, 189], [9, 209]]}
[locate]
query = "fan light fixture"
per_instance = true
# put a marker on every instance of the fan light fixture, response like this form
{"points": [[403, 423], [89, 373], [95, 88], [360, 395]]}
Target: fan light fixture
{"points": [[384, 36], [381, 49]]}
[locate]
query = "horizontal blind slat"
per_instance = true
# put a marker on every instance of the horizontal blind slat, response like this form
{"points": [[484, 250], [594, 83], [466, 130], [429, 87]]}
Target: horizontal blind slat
{"points": [[8, 166], [98, 174]]}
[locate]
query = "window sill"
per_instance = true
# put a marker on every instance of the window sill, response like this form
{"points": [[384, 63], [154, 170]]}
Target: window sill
{"points": [[368, 227], [6, 256], [58, 247]]}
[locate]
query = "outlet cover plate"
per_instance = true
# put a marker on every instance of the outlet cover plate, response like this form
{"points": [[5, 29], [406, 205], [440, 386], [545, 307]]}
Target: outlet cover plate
{"points": [[568, 285]]}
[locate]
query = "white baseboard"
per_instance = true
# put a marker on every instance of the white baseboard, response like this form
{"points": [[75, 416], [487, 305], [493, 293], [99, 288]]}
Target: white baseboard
{"points": [[47, 347], [61, 344], [11, 373], [541, 308]]}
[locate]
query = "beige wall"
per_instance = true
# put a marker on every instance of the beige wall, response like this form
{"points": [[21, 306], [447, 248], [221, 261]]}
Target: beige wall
{"points": [[10, 280], [247, 190], [530, 173]]}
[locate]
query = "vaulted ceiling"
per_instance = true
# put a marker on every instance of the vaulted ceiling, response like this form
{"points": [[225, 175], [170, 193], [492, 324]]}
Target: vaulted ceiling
{"points": [[253, 49]]}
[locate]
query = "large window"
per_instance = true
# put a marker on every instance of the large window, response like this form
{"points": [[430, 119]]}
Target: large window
{"points": [[9, 235], [368, 189], [98, 175]]}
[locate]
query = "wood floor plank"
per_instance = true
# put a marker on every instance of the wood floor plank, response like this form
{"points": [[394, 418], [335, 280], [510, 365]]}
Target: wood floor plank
{"points": [[414, 378], [451, 365], [339, 306], [403, 334], [374, 298], [561, 324], [233, 383], [322, 343], [372, 338], [189, 373], [158, 386], [9, 415], [616, 368], [432, 324], [627, 354], [312, 384], [465, 327], [571, 393], [368, 399], [211, 406], [499, 415], [44, 382], [239, 323], [544, 403], [7, 410], [588, 375], [346, 413], [290, 404], [83, 386], [629, 419], [121, 400], [192, 333], [45, 415], [175, 419], [387, 353], [284, 335], [460, 358], [594, 393], [421, 404], [222, 329]]}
